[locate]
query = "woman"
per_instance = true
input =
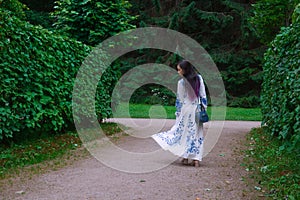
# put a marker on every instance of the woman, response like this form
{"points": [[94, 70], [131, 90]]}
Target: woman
{"points": [[185, 138]]}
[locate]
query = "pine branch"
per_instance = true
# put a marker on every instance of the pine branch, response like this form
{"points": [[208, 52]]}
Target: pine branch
{"points": [[157, 5]]}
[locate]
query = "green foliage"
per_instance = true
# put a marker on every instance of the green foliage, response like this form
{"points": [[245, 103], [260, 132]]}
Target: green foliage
{"points": [[270, 16], [37, 85], [245, 102], [144, 110], [157, 5], [277, 173], [38, 12], [40, 18], [93, 88], [223, 29], [14, 6], [104, 91], [296, 14], [33, 151], [39, 5], [152, 95], [92, 21], [281, 86], [36, 151], [37, 71]]}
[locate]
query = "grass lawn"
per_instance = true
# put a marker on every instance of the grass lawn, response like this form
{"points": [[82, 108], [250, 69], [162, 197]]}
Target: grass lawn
{"points": [[157, 111], [53, 147], [277, 173]]}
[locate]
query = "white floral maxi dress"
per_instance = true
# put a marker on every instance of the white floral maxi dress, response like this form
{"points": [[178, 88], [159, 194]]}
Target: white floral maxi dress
{"points": [[185, 138]]}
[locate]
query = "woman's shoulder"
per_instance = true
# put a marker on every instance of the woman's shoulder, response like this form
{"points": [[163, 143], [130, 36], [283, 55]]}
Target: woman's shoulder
{"points": [[199, 75], [181, 81]]}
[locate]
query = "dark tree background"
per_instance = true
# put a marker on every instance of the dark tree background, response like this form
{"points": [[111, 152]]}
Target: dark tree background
{"points": [[232, 31], [223, 29]]}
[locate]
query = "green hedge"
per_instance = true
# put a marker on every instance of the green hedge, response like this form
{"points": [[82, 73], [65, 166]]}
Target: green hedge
{"points": [[281, 85], [91, 22], [37, 70], [14, 6]]}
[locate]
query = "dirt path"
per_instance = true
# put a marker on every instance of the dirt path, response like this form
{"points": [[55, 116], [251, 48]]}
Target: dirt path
{"points": [[219, 177]]}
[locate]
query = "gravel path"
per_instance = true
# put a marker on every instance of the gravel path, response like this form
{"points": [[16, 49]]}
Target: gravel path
{"points": [[220, 175]]}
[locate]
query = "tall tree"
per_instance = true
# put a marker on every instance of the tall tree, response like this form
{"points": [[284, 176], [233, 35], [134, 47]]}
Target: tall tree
{"points": [[270, 16], [223, 29]]}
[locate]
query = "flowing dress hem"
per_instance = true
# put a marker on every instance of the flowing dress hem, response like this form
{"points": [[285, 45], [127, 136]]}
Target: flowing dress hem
{"points": [[176, 153]]}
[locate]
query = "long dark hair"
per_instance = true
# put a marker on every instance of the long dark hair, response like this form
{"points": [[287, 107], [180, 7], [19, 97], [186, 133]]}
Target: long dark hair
{"points": [[191, 75]]}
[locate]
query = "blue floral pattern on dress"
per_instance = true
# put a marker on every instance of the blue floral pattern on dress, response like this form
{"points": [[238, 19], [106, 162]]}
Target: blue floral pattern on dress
{"points": [[178, 105], [185, 138], [204, 101], [173, 138]]}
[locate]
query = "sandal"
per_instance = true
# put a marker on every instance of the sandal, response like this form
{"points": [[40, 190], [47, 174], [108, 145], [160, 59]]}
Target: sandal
{"points": [[195, 163], [185, 161]]}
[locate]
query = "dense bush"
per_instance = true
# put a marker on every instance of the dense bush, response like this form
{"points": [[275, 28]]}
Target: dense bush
{"points": [[270, 15], [281, 85], [38, 12], [14, 6], [39, 5], [92, 21], [153, 94], [43, 19], [37, 71], [244, 102]]}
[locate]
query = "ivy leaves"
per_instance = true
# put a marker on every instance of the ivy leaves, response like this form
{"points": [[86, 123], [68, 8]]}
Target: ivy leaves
{"points": [[270, 15], [92, 21], [36, 74], [281, 86]]}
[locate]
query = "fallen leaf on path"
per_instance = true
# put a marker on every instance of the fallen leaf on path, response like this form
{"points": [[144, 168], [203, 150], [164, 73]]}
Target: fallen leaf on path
{"points": [[257, 188], [20, 192]]}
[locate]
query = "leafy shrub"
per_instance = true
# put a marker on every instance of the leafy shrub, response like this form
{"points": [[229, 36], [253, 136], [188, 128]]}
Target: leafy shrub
{"points": [[40, 5], [92, 21], [270, 15], [251, 101], [14, 6], [40, 18], [37, 71], [153, 94], [281, 85]]}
